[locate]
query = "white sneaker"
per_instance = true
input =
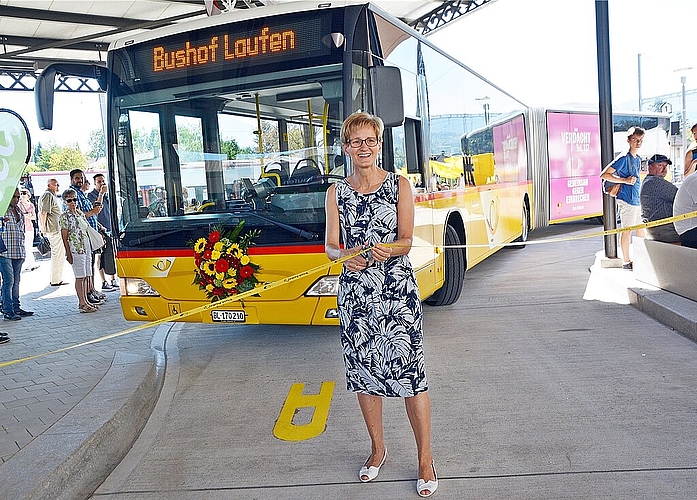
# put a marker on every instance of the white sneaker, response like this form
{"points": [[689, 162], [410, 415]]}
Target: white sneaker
{"points": [[106, 287], [115, 283]]}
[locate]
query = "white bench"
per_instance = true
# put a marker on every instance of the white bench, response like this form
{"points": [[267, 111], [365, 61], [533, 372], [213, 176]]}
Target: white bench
{"points": [[666, 266]]}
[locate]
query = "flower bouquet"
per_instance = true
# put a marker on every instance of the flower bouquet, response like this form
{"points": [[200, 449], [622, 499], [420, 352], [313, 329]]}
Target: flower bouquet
{"points": [[223, 267]]}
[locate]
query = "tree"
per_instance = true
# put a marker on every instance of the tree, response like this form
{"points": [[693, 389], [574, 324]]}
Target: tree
{"points": [[57, 158], [97, 144], [230, 148]]}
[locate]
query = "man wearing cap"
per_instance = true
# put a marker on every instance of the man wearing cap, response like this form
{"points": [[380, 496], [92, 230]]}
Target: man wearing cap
{"points": [[657, 195]]}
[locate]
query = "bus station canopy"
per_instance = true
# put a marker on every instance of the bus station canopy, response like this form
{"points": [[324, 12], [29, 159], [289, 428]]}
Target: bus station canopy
{"points": [[35, 33]]}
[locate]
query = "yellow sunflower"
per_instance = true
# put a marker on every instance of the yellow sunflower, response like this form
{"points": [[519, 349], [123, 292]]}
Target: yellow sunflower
{"points": [[218, 246], [219, 276], [200, 245], [244, 260], [209, 287], [229, 283], [234, 250], [208, 267], [215, 255]]}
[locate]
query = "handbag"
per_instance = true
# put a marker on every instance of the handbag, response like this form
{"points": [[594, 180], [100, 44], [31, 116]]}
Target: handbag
{"points": [[611, 188], [96, 239], [44, 246]]}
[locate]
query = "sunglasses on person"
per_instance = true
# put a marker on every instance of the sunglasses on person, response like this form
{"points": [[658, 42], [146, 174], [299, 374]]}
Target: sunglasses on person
{"points": [[70, 200]]}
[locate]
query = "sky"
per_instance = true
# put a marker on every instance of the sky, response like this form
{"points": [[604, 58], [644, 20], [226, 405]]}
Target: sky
{"points": [[541, 51], [544, 51]]}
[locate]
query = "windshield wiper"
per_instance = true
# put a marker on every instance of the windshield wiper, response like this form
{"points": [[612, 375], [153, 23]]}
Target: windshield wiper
{"points": [[309, 236], [153, 237]]}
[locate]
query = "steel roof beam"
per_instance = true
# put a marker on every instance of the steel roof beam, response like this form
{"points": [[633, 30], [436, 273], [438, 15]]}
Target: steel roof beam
{"points": [[26, 80], [26, 41], [139, 25], [448, 12], [66, 17]]}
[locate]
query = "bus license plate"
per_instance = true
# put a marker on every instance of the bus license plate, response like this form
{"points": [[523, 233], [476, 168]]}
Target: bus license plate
{"points": [[228, 316]]}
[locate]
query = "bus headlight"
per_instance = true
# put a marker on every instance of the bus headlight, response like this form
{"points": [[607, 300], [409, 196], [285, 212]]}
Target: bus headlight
{"points": [[325, 286], [137, 286]]}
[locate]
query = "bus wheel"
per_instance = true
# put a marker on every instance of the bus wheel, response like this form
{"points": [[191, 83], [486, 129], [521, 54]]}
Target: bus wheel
{"points": [[526, 228], [455, 267]]}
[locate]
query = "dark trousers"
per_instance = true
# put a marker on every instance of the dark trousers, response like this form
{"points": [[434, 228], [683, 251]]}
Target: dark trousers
{"points": [[689, 238]]}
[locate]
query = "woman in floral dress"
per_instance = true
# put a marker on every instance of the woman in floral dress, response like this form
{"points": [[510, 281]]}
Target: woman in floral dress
{"points": [[378, 299], [78, 251]]}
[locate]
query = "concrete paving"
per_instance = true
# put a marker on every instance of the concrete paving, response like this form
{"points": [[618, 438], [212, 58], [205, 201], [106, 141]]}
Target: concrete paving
{"points": [[545, 383]]}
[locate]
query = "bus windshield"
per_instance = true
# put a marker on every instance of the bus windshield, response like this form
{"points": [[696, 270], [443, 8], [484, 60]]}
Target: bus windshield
{"points": [[194, 148]]}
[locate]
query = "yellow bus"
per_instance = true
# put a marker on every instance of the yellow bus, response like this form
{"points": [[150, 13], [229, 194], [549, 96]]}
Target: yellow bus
{"points": [[236, 118]]}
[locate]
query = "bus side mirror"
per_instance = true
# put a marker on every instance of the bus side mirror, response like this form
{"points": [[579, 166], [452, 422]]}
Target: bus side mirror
{"points": [[45, 82], [386, 85]]}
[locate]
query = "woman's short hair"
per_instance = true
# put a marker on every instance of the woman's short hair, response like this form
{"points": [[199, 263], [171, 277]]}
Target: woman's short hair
{"points": [[358, 120], [68, 193]]}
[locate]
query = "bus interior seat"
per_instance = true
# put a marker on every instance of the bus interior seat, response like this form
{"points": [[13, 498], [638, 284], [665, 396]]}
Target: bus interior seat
{"points": [[305, 170], [277, 171]]}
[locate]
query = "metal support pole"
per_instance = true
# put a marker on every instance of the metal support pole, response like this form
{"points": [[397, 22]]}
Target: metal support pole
{"points": [[639, 77], [683, 79], [607, 151]]}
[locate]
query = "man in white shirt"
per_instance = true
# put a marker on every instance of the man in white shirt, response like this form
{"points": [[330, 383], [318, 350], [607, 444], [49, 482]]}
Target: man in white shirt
{"points": [[686, 202], [50, 207]]}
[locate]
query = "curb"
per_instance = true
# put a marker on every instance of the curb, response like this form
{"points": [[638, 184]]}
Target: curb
{"points": [[672, 310], [73, 457]]}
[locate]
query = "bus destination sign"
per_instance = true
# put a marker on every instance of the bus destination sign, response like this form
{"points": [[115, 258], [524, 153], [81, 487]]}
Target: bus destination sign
{"points": [[225, 47]]}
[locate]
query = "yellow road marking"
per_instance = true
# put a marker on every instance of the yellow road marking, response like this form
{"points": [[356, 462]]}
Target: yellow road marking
{"points": [[286, 430]]}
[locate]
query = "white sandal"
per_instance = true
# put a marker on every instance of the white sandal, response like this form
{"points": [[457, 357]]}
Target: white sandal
{"points": [[372, 471], [431, 486]]}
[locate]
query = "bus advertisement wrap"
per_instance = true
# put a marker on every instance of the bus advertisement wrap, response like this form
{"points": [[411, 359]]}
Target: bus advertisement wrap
{"points": [[574, 165], [510, 151]]}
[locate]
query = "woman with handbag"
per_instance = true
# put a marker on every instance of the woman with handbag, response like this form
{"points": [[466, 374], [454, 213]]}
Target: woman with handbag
{"points": [[78, 249]]}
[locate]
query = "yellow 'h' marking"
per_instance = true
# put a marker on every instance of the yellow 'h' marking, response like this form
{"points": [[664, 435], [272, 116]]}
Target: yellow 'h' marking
{"points": [[286, 430]]}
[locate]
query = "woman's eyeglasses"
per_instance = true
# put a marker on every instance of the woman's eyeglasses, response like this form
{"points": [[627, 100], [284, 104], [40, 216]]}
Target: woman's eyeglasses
{"points": [[70, 200], [370, 142]]}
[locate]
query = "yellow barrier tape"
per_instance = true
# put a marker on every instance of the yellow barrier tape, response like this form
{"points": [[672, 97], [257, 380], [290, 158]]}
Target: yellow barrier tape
{"points": [[322, 267], [196, 310], [560, 239]]}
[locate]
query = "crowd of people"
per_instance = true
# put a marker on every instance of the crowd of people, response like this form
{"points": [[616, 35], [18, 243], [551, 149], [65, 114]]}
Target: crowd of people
{"points": [[63, 219], [655, 198]]}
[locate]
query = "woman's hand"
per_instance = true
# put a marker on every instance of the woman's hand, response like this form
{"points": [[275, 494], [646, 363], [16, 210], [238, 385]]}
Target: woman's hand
{"points": [[381, 252], [356, 263]]}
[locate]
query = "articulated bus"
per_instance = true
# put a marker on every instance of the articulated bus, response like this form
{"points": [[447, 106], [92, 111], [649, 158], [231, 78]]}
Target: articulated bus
{"points": [[560, 149], [282, 78]]}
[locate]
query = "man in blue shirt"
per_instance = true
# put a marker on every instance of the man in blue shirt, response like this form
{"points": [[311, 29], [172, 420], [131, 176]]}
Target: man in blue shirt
{"points": [[625, 170]]}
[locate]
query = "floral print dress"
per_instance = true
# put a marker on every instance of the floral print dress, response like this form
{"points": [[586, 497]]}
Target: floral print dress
{"points": [[76, 224], [379, 307]]}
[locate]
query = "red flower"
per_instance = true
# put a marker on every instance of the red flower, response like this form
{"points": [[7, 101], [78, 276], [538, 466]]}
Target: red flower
{"points": [[207, 255], [218, 291], [246, 272], [198, 261], [221, 265], [214, 237]]}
